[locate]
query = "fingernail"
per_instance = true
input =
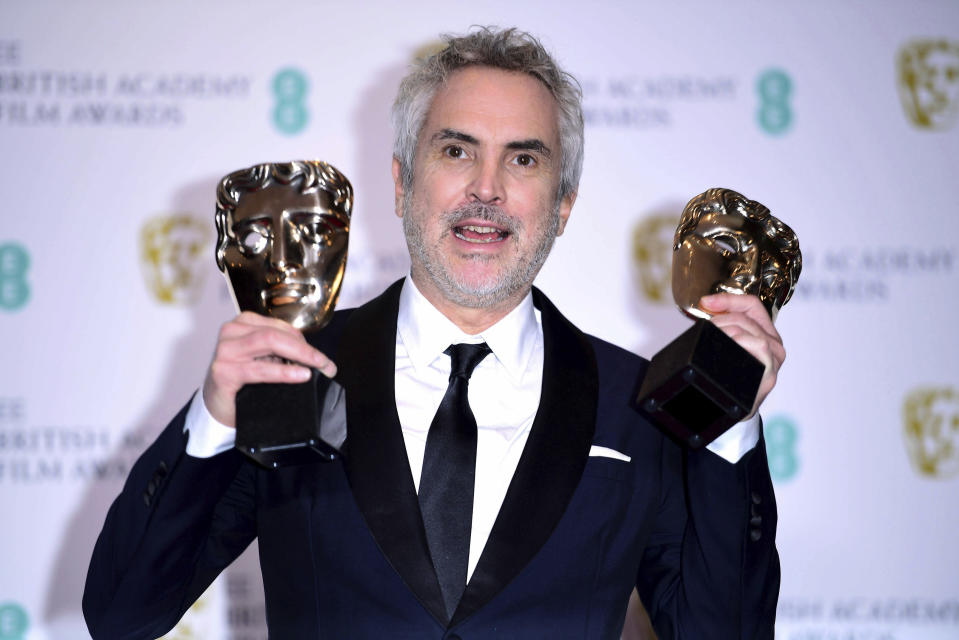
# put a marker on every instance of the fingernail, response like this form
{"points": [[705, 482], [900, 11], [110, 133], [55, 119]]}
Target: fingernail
{"points": [[299, 373]]}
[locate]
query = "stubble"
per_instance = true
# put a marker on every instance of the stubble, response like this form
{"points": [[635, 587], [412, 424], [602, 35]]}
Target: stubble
{"points": [[513, 278]]}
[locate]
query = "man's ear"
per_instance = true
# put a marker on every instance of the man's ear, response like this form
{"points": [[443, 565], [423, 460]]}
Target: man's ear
{"points": [[400, 194], [565, 208]]}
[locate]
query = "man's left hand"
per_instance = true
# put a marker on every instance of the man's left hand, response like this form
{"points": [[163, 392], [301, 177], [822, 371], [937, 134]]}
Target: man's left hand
{"points": [[744, 319]]}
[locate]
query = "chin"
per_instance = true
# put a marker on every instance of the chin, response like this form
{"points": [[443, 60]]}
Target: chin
{"points": [[293, 314]]}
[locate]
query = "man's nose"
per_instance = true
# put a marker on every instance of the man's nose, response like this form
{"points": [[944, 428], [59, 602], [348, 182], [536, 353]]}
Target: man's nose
{"points": [[486, 183]]}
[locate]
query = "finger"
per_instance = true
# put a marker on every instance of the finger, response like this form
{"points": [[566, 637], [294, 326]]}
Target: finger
{"points": [[268, 370], [224, 380], [741, 320], [749, 305], [249, 318], [735, 325], [298, 350], [759, 348], [242, 344], [248, 322], [228, 376]]}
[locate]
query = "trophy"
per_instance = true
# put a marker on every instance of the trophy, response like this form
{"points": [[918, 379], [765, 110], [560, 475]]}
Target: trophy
{"points": [[282, 234], [703, 382]]}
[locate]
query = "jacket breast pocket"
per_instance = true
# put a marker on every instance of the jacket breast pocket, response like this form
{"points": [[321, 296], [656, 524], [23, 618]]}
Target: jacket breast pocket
{"points": [[611, 468]]}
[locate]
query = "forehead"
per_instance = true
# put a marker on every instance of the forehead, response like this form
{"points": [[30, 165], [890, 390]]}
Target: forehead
{"points": [[494, 106], [719, 220], [277, 198]]}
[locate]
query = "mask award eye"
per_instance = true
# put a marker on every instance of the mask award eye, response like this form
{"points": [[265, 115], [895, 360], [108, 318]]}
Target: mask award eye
{"points": [[253, 241], [728, 244], [314, 229]]}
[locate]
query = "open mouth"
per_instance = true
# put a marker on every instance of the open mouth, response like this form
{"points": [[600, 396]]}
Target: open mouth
{"points": [[480, 234]]}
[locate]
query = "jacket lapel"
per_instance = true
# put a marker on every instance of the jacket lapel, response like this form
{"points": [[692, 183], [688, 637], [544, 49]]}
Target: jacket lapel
{"points": [[376, 461], [552, 462]]}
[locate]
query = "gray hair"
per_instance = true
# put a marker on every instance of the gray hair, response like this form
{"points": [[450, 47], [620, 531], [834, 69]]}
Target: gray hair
{"points": [[506, 49]]}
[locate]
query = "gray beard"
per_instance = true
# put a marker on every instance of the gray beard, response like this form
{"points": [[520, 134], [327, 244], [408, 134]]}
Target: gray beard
{"points": [[517, 278]]}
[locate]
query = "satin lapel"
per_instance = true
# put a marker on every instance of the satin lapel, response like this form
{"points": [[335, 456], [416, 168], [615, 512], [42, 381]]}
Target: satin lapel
{"points": [[376, 461], [552, 462]]}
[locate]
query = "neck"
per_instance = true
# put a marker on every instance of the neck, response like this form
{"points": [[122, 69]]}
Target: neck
{"points": [[470, 320]]}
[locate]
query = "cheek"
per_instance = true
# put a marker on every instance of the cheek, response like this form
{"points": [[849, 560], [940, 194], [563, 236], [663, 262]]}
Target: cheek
{"points": [[437, 188], [328, 259], [705, 258]]}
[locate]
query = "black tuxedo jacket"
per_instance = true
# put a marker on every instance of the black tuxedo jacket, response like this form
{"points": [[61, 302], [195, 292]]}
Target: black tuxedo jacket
{"points": [[342, 546]]}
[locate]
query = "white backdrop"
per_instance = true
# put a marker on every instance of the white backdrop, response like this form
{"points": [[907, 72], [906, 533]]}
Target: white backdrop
{"points": [[117, 118]]}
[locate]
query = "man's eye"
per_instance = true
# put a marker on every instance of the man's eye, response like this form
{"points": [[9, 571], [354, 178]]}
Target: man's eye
{"points": [[525, 160], [455, 151]]}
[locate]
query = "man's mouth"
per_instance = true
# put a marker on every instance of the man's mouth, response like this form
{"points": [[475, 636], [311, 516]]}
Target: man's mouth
{"points": [[480, 234]]}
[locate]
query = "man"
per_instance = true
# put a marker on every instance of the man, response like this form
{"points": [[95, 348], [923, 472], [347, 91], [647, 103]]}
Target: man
{"points": [[577, 500]]}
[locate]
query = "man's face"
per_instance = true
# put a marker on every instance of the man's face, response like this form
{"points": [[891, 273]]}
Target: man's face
{"points": [[482, 213], [288, 256], [726, 252]]}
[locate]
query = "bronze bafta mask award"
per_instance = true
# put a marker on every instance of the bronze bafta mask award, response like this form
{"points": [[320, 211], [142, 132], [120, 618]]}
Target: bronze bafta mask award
{"points": [[282, 232], [703, 382]]}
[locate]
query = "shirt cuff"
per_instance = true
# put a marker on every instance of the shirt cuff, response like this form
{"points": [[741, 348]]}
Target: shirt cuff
{"points": [[737, 441], [207, 437]]}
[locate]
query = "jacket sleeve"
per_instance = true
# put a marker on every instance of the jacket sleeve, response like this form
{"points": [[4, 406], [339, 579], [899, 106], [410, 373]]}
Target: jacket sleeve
{"points": [[710, 568], [177, 523]]}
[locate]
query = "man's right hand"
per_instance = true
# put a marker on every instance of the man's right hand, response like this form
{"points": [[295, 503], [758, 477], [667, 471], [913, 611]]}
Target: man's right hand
{"points": [[252, 348]]}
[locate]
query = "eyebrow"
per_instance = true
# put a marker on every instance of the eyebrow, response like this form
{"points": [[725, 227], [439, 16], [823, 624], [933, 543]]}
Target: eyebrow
{"points": [[254, 219], [453, 134], [531, 144]]}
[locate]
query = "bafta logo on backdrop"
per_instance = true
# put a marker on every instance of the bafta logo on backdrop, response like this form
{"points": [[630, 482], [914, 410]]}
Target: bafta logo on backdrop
{"points": [[653, 256], [931, 424], [173, 254], [928, 78]]}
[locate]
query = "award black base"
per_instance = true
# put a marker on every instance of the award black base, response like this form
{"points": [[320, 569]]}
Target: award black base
{"points": [[279, 424], [699, 385]]}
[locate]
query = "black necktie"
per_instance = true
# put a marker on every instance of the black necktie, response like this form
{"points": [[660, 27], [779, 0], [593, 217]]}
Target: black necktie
{"points": [[446, 484]]}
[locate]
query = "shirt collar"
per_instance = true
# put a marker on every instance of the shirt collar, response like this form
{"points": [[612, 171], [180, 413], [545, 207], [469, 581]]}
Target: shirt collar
{"points": [[426, 332]]}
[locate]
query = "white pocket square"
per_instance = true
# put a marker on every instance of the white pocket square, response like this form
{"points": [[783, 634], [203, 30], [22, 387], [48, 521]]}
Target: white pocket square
{"points": [[606, 452]]}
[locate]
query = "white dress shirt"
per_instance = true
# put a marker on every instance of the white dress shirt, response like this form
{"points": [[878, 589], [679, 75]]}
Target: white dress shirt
{"points": [[504, 393]]}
